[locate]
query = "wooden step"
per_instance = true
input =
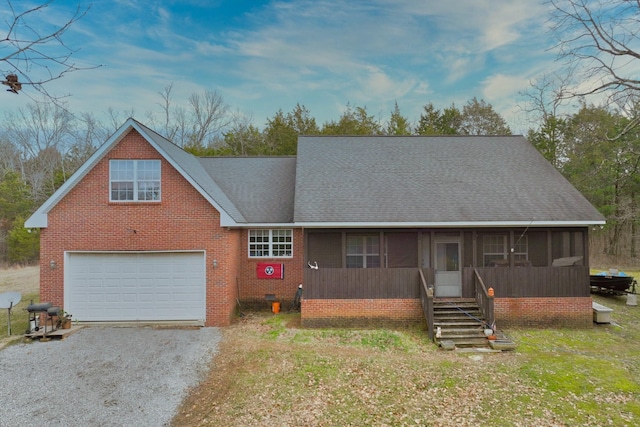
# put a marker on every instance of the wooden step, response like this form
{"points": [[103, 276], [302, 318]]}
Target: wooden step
{"points": [[461, 302], [449, 312], [461, 323], [453, 300]]}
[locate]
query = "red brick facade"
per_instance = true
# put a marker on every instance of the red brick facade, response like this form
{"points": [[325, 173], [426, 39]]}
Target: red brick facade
{"points": [[252, 291], [361, 312], [548, 311], [85, 220]]}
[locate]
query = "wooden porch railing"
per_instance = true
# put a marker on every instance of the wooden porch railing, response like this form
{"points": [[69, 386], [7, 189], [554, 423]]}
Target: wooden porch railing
{"points": [[426, 300], [485, 301], [361, 283], [534, 282]]}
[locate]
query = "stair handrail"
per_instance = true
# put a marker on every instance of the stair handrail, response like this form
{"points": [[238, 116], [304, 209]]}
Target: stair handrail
{"points": [[426, 299], [484, 300]]}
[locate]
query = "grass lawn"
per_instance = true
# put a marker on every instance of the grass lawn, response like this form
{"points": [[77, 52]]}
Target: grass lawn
{"points": [[272, 372]]}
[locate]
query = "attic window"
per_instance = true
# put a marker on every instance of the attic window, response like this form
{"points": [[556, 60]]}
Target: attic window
{"points": [[134, 180]]}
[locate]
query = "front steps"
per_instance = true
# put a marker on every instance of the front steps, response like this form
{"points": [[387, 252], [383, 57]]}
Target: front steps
{"points": [[460, 322]]}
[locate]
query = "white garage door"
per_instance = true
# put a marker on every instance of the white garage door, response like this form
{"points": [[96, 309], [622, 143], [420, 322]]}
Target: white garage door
{"points": [[144, 286]]}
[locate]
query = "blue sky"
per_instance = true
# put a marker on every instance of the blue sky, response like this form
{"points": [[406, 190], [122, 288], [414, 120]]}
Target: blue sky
{"points": [[262, 56]]}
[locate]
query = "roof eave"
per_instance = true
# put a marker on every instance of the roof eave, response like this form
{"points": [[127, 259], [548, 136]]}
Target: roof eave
{"points": [[262, 225], [452, 224]]}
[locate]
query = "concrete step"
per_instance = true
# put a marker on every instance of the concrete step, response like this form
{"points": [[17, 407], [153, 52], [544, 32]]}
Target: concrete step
{"points": [[469, 332], [480, 342]]}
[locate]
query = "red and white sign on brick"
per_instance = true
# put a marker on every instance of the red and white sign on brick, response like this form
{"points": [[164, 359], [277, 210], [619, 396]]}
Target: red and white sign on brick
{"points": [[266, 270]]}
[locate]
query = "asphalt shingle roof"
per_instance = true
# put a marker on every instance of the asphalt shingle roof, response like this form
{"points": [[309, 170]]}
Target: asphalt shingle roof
{"points": [[262, 188], [431, 180], [369, 180]]}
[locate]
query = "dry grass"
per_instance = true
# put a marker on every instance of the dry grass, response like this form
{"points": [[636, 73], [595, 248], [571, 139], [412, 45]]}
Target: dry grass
{"points": [[25, 280], [272, 372]]}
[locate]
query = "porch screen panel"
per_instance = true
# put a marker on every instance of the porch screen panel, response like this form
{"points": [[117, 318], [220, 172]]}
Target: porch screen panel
{"points": [[325, 249], [402, 250], [537, 248]]}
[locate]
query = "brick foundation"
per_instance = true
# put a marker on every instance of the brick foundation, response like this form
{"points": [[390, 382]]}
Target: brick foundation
{"points": [[361, 312], [541, 312]]}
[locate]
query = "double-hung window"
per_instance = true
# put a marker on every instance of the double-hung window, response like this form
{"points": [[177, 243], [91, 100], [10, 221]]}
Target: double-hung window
{"points": [[271, 243], [363, 251], [134, 180], [495, 248]]}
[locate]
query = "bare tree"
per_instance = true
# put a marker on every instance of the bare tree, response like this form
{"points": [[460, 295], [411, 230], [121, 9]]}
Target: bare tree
{"points": [[41, 133], [209, 115], [200, 124], [599, 41], [544, 102], [34, 58]]}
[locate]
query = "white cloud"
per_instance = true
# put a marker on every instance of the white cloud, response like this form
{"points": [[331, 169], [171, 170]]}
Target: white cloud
{"points": [[319, 53], [500, 86]]}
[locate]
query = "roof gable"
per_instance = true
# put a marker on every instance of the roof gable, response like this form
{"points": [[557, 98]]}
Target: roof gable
{"points": [[186, 164]]}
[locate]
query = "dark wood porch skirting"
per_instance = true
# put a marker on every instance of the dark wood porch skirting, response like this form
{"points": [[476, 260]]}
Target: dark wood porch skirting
{"points": [[357, 313]]}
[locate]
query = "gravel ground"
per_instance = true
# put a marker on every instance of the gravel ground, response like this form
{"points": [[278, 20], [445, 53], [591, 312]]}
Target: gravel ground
{"points": [[104, 376]]}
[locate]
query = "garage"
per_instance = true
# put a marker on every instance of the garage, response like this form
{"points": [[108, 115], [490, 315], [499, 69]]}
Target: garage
{"points": [[140, 286]]}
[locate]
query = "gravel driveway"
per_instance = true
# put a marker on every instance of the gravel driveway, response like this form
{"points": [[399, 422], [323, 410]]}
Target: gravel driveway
{"points": [[104, 376]]}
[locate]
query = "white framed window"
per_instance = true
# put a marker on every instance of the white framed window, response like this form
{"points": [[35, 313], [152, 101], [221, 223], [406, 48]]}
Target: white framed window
{"points": [[363, 251], [134, 180], [277, 243], [521, 249], [495, 248]]}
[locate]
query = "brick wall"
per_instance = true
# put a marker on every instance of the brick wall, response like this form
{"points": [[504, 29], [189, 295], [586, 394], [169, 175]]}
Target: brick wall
{"points": [[252, 290], [85, 220], [541, 312], [361, 312]]}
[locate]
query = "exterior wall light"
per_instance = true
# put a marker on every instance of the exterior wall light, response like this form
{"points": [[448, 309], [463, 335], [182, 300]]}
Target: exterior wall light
{"points": [[52, 264], [215, 263]]}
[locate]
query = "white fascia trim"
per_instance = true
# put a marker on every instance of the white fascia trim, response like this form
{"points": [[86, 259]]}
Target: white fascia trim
{"points": [[264, 225], [36, 220], [458, 224]]}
